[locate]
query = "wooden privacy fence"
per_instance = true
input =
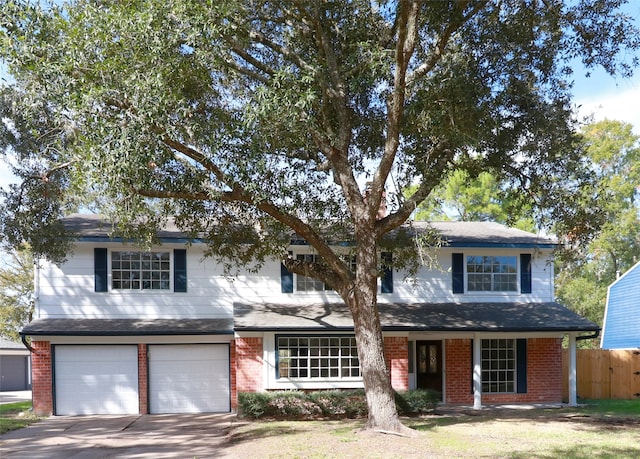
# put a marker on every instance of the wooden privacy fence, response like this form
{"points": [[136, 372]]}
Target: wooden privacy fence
{"points": [[604, 374]]}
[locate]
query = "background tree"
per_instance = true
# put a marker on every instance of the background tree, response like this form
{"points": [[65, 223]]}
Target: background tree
{"points": [[461, 197], [586, 270], [16, 292], [274, 114]]}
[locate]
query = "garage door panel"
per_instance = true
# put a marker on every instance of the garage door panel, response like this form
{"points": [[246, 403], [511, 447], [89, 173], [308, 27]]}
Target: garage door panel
{"points": [[189, 378], [96, 380], [13, 372]]}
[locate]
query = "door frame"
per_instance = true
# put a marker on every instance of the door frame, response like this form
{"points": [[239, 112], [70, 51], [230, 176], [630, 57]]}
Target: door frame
{"points": [[440, 366]]}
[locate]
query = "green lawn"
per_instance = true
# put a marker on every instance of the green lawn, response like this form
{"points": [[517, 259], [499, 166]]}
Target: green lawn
{"points": [[600, 429], [611, 407], [16, 416]]}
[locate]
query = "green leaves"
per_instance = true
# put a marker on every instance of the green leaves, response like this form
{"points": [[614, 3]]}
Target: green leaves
{"points": [[157, 105], [588, 269], [16, 292]]}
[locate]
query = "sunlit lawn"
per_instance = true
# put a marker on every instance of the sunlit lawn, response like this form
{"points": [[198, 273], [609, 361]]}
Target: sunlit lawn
{"points": [[16, 416]]}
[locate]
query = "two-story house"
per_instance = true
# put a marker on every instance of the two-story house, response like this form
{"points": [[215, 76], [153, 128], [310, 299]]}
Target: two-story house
{"points": [[120, 330]]}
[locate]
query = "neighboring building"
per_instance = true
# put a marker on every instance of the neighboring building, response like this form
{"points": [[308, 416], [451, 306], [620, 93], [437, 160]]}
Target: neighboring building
{"points": [[15, 373], [119, 330], [621, 329]]}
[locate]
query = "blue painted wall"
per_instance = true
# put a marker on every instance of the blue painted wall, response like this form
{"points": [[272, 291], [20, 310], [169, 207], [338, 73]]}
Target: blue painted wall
{"points": [[622, 317]]}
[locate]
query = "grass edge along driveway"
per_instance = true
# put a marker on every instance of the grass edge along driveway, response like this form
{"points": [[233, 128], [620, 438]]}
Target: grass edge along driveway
{"points": [[15, 416]]}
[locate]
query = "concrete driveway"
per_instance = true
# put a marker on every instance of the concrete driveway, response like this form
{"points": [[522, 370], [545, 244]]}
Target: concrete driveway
{"points": [[15, 396], [92, 437]]}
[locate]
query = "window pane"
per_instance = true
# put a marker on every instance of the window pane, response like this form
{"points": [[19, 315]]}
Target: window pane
{"points": [[332, 357], [136, 266], [492, 274], [498, 365]]}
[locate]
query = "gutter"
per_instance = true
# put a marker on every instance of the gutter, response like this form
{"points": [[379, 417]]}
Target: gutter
{"points": [[595, 335]]}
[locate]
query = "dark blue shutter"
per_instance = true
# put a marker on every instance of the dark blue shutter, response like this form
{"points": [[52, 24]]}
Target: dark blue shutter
{"points": [[457, 272], [179, 270], [100, 270], [286, 279], [525, 273], [386, 284], [521, 366]]}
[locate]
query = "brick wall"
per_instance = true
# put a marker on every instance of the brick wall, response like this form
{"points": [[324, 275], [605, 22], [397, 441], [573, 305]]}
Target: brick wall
{"points": [[232, 375], [143, 369], [248, 366], [41, 382], [544, 373], [458, 371], [396, 355]]}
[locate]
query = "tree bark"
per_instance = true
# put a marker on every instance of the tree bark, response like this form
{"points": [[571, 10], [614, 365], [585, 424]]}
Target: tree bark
{"points": [[361, 297]]}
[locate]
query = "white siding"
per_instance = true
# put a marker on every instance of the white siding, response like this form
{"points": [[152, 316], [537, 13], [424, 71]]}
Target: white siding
{"points": [[68, 291], [434, 285]]}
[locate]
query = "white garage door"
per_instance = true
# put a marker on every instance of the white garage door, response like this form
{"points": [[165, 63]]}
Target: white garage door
{"points": [[96, 380], [189, 378]]}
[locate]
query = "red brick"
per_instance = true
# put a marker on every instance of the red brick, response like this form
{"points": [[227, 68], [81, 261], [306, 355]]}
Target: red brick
{"points": [[41, 378]]}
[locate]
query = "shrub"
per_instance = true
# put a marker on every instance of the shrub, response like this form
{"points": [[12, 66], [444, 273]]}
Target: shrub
{"points": [[417, 401], [327, 403], [252, 404]]}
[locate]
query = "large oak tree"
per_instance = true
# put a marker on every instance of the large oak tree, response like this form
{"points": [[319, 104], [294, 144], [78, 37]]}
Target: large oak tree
{"points": [[249, 120]]}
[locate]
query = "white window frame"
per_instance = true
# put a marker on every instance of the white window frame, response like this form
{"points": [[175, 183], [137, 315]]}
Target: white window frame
{"points": [[493, 275], [169, 271], [314, 281], [499, 363], [330, 353]]}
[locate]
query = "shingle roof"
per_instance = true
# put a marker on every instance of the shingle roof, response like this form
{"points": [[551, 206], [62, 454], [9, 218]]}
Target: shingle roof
{"points": [[480, 233], [480, 317], [98, 226], [7, 344], [456, 234], [127, 327]]}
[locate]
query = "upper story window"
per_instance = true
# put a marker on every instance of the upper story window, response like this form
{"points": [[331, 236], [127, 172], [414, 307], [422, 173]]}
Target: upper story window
{"points": [[310, 284], [140, 270], [306, 284], [492, 273]]}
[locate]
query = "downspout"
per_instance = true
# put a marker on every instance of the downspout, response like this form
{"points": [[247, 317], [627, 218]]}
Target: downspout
{"points": [[27, 345], [573, 395]]}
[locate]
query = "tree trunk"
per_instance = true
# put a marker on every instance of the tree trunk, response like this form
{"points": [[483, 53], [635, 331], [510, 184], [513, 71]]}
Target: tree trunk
{"points": [[362, 301]]}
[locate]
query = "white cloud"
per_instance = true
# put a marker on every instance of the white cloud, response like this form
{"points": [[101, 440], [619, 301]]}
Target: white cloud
{"points": [[621, 105]]}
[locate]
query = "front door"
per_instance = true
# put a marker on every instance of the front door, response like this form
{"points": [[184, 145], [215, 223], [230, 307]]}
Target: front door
{"points": [[429, 365]]}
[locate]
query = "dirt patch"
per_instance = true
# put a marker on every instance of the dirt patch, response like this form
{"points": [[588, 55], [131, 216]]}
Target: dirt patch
{"points": [[532, 434]]}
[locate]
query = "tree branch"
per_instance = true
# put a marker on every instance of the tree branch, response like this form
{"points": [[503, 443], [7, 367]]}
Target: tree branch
{"points": [[407, 23], [442, 42], [237, 193], [46, 174], [442, 155], [282, 50]]}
